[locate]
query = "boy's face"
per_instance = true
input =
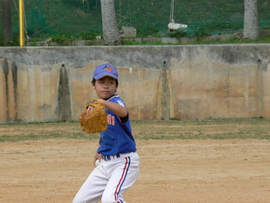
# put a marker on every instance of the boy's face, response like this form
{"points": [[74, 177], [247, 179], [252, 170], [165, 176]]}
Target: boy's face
{"points": [[105, 87]]}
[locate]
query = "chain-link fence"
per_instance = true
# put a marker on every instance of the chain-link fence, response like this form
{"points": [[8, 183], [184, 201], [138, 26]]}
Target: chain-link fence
{"points": [[81, 19]]}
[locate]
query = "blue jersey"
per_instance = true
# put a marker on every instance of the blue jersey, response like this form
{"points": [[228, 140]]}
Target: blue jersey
{"points": [[117, 139]]}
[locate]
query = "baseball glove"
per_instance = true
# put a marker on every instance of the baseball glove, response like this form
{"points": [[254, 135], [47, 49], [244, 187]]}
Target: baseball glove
{"points": [[93, 118]]}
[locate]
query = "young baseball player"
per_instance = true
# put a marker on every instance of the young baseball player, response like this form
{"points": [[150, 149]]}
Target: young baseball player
{"points": [[119, 162]]}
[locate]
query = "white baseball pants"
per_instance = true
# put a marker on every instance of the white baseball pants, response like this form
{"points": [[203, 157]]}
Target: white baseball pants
{"points": [[110, 180]]}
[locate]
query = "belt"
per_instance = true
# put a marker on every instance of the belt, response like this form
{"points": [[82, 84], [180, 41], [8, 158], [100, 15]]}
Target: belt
{"points": [[109, 157]]}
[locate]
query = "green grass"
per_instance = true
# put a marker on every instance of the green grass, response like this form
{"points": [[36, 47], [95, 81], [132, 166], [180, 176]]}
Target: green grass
{"points": [[256, 128], [203, 129], [42, 131]]}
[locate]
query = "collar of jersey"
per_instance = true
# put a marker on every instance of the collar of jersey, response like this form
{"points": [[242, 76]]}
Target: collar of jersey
{"points": [[115, 95]]}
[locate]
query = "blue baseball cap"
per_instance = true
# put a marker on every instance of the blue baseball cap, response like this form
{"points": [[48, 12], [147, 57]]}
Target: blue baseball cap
{"points": [[105, 70]]}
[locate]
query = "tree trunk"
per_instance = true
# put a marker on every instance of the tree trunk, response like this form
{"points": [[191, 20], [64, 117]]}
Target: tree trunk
{"points": [[111, 33], [6, 21], [251, 29]]}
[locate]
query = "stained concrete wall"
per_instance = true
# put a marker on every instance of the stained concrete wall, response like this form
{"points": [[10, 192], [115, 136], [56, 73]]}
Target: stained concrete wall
{"points": [[39, 84]]}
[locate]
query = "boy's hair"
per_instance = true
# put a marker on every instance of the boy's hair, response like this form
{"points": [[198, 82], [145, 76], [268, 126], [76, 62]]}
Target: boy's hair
{"points": [[94, 81]]}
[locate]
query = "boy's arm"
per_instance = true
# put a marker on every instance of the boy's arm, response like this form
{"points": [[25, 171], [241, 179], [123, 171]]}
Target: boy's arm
{"points": [[115, 108]]}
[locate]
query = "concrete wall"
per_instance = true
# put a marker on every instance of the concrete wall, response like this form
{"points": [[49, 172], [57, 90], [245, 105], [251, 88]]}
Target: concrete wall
{"points": [[39, 84]]}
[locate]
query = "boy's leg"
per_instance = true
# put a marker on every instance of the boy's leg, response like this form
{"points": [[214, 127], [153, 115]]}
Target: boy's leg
{"points": [[92, 189], [123, 176]]}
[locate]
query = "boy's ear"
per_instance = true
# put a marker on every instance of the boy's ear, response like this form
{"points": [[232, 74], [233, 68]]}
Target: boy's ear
{"points": [[93, 86]]}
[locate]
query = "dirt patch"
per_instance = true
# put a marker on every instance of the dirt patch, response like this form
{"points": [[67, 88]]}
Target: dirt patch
{"points": [[171, 171]]}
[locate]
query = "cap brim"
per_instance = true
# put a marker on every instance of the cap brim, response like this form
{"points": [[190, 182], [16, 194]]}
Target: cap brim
{"points": [[103, 75]]}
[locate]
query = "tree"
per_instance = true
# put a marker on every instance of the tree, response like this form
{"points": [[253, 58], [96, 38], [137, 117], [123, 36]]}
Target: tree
{"points": [[251, 29], [111, 33], [6, 21]]}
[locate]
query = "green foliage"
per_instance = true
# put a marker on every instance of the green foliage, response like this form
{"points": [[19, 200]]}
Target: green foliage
{"points": [[83, 4], [146, 31], [178, 33], [88, 35], [128, 42], [175, 119], [61, 39], [77, 19]]}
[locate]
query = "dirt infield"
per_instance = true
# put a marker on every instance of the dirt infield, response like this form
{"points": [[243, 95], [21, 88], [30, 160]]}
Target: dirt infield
{"points": [[187, 171]]}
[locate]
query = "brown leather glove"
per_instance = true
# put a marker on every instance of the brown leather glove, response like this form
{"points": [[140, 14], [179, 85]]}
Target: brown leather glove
{"points": [[94, 118]]}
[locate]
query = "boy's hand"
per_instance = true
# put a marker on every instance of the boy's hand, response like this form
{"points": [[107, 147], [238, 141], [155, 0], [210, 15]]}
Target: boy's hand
{"points": [[97, 159]]}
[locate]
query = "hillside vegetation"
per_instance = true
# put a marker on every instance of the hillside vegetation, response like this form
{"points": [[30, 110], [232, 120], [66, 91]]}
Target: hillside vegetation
{"points": [[81, 19]]}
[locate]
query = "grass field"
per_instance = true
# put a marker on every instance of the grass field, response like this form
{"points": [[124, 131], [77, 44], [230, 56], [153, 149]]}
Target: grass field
{"points": [[256, 128]]}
